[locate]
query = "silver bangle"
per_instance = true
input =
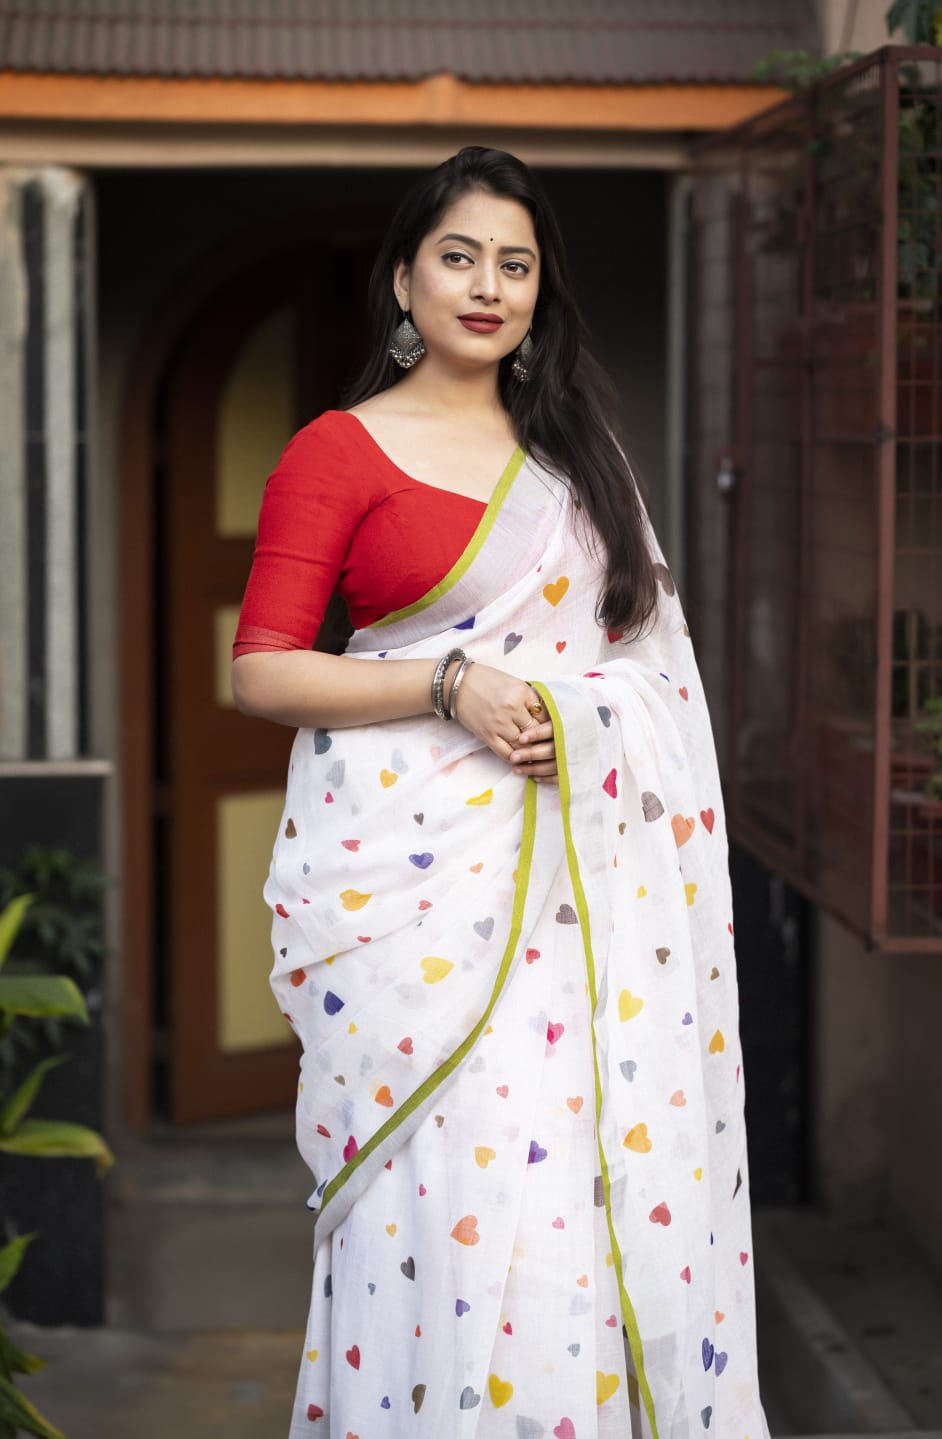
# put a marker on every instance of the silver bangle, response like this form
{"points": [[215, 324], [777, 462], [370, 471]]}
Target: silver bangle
{"points": [[453, 697], [438, 682]]}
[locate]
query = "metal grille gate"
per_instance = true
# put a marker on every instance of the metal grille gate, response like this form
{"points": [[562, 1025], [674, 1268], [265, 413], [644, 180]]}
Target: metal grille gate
{"points": [[815, 484]]}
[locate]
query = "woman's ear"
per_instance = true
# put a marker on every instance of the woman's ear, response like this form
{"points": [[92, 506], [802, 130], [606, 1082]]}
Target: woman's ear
{"points": [[401, 284]]}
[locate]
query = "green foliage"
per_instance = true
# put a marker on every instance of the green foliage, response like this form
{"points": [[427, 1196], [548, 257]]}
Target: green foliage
{"points": [[929, 723], [28, 997], [919, 20]]}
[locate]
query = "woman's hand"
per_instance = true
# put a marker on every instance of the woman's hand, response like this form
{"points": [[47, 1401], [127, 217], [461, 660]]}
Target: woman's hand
{"points": [[496, 707]]}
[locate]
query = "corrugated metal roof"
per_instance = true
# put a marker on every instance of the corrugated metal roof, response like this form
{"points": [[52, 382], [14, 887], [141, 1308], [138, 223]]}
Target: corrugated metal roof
{"points": [[494, 41]]}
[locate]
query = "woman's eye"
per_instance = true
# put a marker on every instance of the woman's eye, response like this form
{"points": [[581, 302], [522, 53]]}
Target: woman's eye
{"points": [[454, 256], [517, 267]]}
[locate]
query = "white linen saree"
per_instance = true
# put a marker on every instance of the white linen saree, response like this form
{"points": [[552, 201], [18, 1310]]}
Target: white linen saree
{"points": [[521, 1092]]}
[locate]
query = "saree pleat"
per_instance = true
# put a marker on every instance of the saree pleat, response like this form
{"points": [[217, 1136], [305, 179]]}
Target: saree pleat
{"points": [[521, 1090]]}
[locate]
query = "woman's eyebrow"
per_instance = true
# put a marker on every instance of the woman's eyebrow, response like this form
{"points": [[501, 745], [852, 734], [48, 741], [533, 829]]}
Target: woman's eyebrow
{"points": [[476, 245]]}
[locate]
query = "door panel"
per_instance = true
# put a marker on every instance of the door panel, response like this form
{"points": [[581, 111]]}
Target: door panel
{"points": [[252, 372]]}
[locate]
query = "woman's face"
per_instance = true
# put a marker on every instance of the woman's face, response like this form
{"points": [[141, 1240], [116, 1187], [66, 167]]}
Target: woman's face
{"points": [[473, 285]]}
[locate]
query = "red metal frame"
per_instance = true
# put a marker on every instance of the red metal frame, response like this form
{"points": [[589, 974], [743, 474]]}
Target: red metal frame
{"points": [[832, 406]]}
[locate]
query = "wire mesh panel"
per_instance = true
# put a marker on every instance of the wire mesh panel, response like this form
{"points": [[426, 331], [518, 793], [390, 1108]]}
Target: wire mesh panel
{"points": [[832, 508]]}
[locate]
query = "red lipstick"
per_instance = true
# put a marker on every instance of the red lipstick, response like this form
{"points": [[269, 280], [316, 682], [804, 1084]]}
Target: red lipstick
{"points": [[481, 323]]}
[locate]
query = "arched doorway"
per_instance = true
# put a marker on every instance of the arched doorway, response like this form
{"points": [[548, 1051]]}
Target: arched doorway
{"points": [[271, 348]]}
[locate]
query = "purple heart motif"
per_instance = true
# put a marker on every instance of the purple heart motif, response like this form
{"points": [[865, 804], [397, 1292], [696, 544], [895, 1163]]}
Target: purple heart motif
{"points": [[421, 861], [706, 1415], [461, 1307], [383, 654], [537, 1153], [722, 1359], [466, 624], [333, 1004], [707, 1351], [384, 1402], [688, 1018], [511, 642], [628, 1068]]}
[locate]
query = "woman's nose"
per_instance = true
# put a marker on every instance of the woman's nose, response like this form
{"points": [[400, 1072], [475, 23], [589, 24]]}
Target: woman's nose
{"points": [[487, 281]]}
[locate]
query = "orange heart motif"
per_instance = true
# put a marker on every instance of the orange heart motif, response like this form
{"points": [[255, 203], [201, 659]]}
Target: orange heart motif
{"points": [[466, 1230], [575, 1104], [555, 591], [678, 1098], [637, 1139], [383, 1096], [683, 828]]}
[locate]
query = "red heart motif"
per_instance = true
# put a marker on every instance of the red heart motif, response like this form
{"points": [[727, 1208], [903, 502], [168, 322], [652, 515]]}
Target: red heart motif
{"points": [[564, 1429], [743, 1257], [422, 1190], [660, 1214], [559, 1222], [707, 819], [685, 1274], [560, 646], [531, 955], [683, 692], [298, 976], [322, 1130], [328, 798], [611, 1321], [353, 1357], [364, 938], [610, 783], [555, 1030], [350, 1149], [503, 1090], [507, 1328], [352, 844], [405, 1045], [425, 904], [280, 909], [314, 1412], [594, 675], [614, 636]]}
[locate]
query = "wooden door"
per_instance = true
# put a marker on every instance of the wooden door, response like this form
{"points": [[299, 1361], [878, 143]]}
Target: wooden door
{"points": [[258, 362]]}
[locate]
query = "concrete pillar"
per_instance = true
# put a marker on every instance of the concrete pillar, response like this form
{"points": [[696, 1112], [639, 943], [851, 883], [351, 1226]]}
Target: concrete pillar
{"points": [[46, 312]]}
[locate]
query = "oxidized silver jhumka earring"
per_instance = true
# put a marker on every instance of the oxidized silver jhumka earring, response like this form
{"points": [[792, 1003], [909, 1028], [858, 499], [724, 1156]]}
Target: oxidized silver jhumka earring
{"points": [[407, 346], [522, 357]]}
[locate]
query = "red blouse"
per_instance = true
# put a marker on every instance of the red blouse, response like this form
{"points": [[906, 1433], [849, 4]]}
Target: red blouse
{"points": [[337, 514]]}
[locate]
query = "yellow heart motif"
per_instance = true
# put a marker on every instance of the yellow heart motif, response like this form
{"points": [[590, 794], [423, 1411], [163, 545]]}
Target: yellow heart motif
{"points": [[717, 1043], [483, 1155], [641, 891], [605, 1386], [353, 899], [554, 592], [637, 1139], [629, 1005], [501, 1390], [698, 1174], [312, 1354], [484, 798], [434, 969], [391, 1230], [387, 777], [690, 891]]}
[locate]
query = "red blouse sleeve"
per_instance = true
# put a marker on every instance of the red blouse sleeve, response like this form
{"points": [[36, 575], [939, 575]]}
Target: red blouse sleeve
{"points": [[312, 505]]}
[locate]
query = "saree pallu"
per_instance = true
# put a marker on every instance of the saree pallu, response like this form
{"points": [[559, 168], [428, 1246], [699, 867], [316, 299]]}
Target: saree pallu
{"points": [[521, 1091]]}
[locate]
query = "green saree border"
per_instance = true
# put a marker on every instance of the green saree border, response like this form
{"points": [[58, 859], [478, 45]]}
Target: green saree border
{"points": [[429, 1086], [582, 910], [470, 552]]}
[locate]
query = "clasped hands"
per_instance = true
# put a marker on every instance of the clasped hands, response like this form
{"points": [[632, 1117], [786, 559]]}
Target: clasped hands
{"points": [[511, 719]]}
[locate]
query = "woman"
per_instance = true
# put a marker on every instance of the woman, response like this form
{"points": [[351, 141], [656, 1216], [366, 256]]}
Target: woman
{"points": [[502, 922]]}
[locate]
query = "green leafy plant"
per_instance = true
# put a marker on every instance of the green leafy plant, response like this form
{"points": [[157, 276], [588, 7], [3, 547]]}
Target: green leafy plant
{"points": [[919, 20], [929, 723], [799, 69], [26, 998]]}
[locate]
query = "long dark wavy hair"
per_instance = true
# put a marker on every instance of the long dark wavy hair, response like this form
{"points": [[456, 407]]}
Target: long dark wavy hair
{"points": [[565, 416]]}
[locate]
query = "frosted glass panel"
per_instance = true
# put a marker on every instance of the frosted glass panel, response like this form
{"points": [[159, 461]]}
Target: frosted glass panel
{"points": [[224, 622], [248, 1015], [255, 420]]}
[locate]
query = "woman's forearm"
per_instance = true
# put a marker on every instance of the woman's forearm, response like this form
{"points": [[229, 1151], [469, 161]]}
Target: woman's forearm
{"points": [[306, 689]]}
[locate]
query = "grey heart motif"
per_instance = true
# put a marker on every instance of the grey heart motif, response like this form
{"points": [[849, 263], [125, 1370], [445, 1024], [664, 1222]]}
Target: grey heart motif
{"points": [[628, 1069], [574, 1349], [322, 741], [419, 818], [566, 915], [408, 1267], [468, 1400], [529, 1428], [484, 927], [605, 715], [366, 1064], [663, 954], [336, 773], [653, 809], [511, 642], [476, 1065], [720, 1126], [398, 763]]}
